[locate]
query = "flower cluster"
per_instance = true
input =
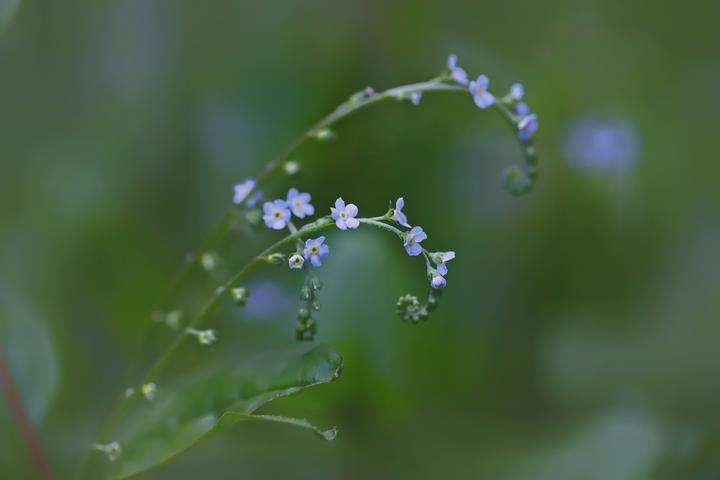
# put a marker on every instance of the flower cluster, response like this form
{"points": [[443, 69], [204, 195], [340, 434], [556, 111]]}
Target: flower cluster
{"points": [[311, 250], [526, 122]]}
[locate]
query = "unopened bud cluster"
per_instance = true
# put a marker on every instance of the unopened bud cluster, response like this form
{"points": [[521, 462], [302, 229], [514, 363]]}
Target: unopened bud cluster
{"points": [[306, 327]]}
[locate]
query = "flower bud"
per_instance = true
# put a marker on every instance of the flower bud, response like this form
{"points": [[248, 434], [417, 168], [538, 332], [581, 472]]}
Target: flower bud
{"points": [[149, 390], [204, 337], [291, 168], [275, 258], [112, 450], [438, 281], [209, 261], [240, 295], [323, 135]]}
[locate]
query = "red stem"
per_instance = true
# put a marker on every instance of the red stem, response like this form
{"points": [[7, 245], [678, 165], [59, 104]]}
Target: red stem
{"points": [[18, 412]]}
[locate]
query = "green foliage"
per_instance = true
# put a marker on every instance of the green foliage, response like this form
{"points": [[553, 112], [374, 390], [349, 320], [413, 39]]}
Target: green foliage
{"points": [[210, 401]]}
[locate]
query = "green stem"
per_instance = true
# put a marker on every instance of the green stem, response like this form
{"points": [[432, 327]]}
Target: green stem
{"points": [[308, 230]]}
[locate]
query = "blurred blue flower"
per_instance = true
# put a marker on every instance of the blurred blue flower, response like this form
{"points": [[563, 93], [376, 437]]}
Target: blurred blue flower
{"points": [[299, 203], [479, 91], [412, 241], [602, 145], [276, 214], [415, 98], [315, 249], [521, 109], [242, 190], [444, 258], [517, 91], [344, 215], [296, 261], [438, 281], [398, 214], [527, 127], [457, 73]]}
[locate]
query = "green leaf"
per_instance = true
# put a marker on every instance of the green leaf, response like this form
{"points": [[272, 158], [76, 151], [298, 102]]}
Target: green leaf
{"points": [[207, 403]]}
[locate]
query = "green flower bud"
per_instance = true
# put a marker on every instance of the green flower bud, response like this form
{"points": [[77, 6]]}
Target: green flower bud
{"points": [[275, 258], [291, 168], [239, 295], [323, 135]]}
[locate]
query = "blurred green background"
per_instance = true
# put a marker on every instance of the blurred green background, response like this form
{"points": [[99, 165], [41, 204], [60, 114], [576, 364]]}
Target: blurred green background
{"points": [[578, 336]]}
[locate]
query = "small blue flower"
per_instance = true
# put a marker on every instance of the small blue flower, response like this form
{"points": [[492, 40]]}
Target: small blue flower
{"points": [[479, 91], [299, 203], [276, 214], [457, 73], [527, 127], [254, 199], [444, 257], [344, 215], [398, 214], [522, 109], [438, 281], [517, 91], [412, 241], [315, 249], [296, 261], [242, 190], [415, 98]]}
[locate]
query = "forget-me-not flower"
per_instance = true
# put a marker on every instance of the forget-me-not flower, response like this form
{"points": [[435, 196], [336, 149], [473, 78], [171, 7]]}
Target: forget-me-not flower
{"points": [[344, 215], [315, 249], [242, 190], [479, 91], [254, 199], [517, 91], [527, 127], [457, 73], [412, 241], [299, 203], [415, 98], [438, 281], [398, 214], [444, 257], [296, 261], [276, 214], [522, 109]]}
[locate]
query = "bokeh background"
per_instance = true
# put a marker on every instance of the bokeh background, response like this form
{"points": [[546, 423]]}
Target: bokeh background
{"points": [[578, 336]]}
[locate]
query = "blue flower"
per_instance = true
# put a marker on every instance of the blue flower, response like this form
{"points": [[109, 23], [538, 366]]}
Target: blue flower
{"points": [[444, 257], [398, 214], [438, 281], [415, 98], [527, 127], [242, 190], [296, 261], [479, 91], [315, 249], [517, 91], [276, 214], [457, 73], [344, 215], [522, 109], [412, 241], [299, 203], [254, 199]]}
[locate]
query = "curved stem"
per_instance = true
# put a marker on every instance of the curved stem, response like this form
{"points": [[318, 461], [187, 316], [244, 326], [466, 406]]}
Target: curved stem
{"points": [[310, 229], [356, 102]]}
